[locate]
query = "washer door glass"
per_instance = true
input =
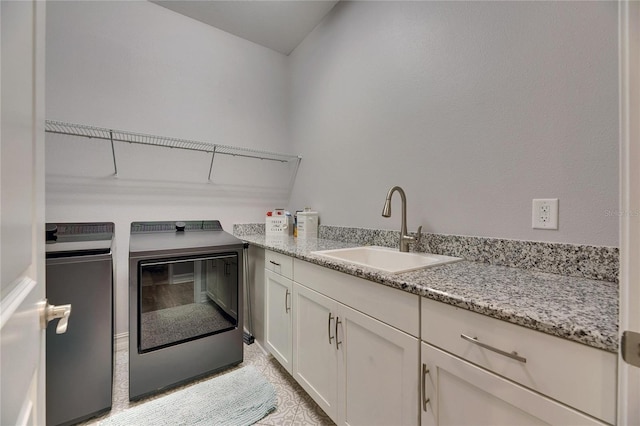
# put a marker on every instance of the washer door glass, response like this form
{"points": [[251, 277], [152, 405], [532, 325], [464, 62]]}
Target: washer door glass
{"points": [[185, 299]]}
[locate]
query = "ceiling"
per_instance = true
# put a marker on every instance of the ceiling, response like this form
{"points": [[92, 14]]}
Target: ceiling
{"points": [[278, 25]]}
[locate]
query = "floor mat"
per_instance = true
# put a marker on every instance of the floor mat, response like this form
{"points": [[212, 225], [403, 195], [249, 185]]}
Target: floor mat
{"points": [[240, 397]]}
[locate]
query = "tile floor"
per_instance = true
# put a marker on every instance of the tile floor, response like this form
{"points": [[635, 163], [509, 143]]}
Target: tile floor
{"points": [[295, 406]]}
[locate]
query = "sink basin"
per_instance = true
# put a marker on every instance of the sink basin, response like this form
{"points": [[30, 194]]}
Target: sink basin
{"points": [[386, 259]]}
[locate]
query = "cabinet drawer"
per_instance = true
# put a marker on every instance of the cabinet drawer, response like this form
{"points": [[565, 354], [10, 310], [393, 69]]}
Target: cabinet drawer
{"points": [[279, 263], [575, 374]]}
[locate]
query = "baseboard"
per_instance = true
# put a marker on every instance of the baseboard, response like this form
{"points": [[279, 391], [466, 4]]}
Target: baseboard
{"points": [[264, 351], [262, 348], [121, 341]]}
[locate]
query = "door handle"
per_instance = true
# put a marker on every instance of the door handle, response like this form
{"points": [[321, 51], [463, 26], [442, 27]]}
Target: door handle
{"points": [[287, 308], [512, 355], [329, 328], [50, 312], [338, 342], [425, 400], [630, 347]]}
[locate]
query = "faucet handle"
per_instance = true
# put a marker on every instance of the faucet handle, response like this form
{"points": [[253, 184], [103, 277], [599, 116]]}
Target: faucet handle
{"points": [[418, 235]]}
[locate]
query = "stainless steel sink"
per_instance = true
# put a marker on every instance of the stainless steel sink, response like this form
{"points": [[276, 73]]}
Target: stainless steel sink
{"points": [[386, 259]]}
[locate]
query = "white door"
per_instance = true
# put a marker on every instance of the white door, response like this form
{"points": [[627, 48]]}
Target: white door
{"points": [[377, 372], [315, 347], [629, 39], [278, 301], [22, 264]]}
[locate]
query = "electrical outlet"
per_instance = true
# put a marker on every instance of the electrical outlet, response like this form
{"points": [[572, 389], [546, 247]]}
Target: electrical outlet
{"points": [[545, 213]]}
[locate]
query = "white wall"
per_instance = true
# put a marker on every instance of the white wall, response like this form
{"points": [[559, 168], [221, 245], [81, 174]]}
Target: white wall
{"points": [[137, 66], [474, 108]]}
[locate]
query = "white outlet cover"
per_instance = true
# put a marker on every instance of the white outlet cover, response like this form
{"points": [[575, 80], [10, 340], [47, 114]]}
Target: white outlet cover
{"points": [[545, 213]]}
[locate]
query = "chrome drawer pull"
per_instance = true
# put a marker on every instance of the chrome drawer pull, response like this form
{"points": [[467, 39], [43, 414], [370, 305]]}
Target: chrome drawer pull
{"points": [[512, 355], [274, 263], [425, 400], [329, 328], [287, 308]]}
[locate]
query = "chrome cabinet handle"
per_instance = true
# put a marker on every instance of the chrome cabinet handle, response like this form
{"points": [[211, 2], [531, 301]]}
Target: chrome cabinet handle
{"points": [[512, 355], [274, 263], [329, 328], [338, 342], [425, 400], [287, 308], [50, 312]]}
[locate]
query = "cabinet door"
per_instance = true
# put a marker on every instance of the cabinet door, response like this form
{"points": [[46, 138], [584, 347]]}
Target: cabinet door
{"points": [[315, 365], [377, 372], [460, 393], [278, 302]]}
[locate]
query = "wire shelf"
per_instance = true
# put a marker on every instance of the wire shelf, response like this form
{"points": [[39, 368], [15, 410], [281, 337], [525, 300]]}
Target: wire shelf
{"points": [[112, 135], [93, 132]]}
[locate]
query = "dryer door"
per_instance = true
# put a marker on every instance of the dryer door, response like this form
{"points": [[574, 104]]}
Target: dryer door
{"points": [[185, 299]]}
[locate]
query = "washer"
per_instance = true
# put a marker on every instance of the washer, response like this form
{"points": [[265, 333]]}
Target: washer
{"points": [[79, 365]]}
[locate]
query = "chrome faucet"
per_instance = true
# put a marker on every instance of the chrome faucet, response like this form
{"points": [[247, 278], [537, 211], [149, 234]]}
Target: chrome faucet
{"points": [[405, 239]]}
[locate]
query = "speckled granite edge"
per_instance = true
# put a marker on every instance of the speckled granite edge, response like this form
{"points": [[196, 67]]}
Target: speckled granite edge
{"points": [[573, 260], [578, 309], [573, 308], [241, 229], [593, 262]]}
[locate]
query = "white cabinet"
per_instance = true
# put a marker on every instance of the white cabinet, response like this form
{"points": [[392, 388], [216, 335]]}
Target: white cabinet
{"points": [[456, 392], [278, 317], [376, 372], [354, 346], [316, 356], [278, 308], [517, 374], [360, 370]]}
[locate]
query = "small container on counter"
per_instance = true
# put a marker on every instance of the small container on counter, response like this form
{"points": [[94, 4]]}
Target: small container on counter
{"points": [[307, 223], [278, 222]]}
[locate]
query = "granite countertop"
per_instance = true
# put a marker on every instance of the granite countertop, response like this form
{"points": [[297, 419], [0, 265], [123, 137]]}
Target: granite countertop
{"points": [[578, 309]]}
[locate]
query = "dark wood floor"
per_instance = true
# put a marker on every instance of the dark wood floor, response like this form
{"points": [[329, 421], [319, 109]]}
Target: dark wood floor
{"points": [[163, 296]]}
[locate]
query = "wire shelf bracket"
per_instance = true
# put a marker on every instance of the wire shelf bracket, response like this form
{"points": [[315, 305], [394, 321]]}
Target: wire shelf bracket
{"points": [[112, 135], [113, 153], [213, 155]]}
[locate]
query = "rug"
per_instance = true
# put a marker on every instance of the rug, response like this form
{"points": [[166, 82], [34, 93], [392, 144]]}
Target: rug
{"points": [[241, 397]]}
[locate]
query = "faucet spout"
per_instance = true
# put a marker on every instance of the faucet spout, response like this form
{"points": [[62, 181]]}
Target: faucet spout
{"points": [[386, 212]]}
